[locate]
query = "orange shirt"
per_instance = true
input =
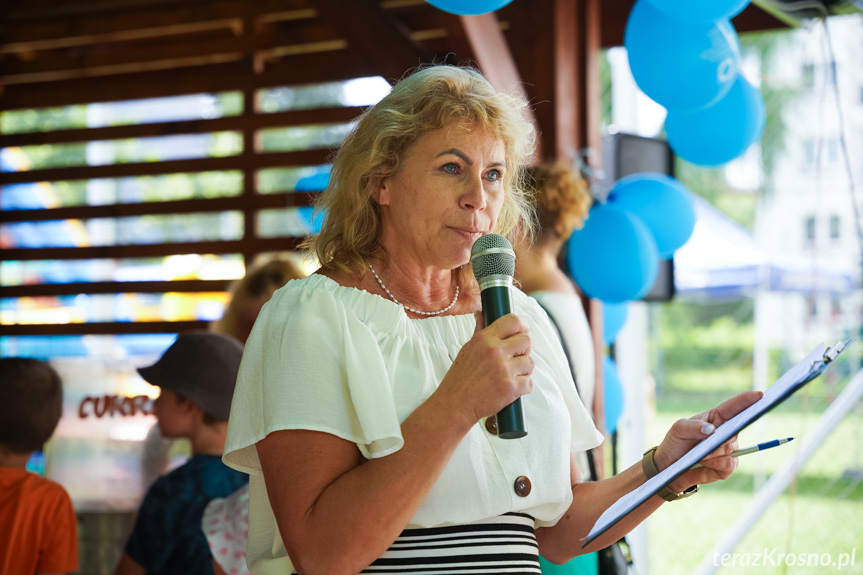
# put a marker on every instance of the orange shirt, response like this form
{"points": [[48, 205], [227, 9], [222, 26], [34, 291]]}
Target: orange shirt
{"points": [[38, 531]]}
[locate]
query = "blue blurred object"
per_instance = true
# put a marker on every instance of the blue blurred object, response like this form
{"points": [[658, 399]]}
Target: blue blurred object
{"points": [[53, 346], [21, 197], [681, 65], [613, 398], [469, 7], [315, 183], [613, 318], [47, 234], [613, 257], [36, 463], [662, 203], [700, 11], [721, 132], [310, 220]]}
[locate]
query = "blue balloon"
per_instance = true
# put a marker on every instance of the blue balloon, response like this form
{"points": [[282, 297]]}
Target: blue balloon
{"points": [[681, 65], [469, 7], [613, 394], [662, 203], [721, 132], [700, 10], [613, 318], [613, 257]]}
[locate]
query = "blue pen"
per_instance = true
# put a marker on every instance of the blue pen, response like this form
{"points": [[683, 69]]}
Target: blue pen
{"points": [[754, 448]]}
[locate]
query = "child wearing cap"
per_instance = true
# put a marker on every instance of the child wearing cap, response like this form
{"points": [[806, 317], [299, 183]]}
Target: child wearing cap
{"points": [[38, 530], [196, 376]]}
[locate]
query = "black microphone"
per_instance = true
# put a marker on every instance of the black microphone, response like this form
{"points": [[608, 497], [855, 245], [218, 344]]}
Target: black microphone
{"points": [[493, 262]]}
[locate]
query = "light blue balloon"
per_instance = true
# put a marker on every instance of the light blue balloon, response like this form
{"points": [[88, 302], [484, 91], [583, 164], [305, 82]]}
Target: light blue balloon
{"points": [[681, 65], [721, 132], [613, 257], [613, 318], [469, 7], [662, 203], [613, 397], [700, 10]]}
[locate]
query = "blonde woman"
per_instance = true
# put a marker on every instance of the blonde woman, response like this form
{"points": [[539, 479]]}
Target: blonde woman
{"points": [[362, 409]]}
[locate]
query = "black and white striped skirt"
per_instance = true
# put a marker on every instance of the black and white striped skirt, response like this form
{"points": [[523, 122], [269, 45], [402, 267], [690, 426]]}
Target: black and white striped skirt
{"points": [[505, 544]]}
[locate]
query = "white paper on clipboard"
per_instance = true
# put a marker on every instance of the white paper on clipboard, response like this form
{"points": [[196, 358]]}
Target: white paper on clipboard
{"points": [[809, 368]]}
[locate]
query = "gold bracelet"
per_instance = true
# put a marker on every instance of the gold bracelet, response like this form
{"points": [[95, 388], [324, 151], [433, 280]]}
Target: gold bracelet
{"points": [[649, 466]]}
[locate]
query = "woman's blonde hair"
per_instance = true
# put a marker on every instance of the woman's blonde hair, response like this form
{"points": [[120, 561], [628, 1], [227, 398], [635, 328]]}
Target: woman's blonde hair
{"points": [[423, 102], [562, 198]]}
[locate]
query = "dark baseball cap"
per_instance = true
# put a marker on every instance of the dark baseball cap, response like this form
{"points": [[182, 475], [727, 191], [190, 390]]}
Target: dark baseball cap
{"points": [[201, 366]]}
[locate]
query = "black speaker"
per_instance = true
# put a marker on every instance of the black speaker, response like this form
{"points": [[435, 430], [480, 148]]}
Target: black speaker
{"points": [[625, 154]]}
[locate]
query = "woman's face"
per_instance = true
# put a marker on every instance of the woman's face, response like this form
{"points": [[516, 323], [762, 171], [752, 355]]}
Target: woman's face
{"points": [[447, 193]]}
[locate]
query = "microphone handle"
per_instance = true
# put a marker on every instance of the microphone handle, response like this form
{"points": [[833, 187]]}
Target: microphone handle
{"points": [[496, 303]]}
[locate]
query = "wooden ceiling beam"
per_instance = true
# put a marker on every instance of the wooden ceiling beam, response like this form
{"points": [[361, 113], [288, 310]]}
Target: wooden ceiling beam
{"points": [[28, 47], [143, 23], [492, 52], [380, 40], [493, 55], [42, 77], [47, 33], [258, 161], [64, 9], [281, 71], [128, 59], [254, 122], [555, 44], [531, 43], [100, 56]]}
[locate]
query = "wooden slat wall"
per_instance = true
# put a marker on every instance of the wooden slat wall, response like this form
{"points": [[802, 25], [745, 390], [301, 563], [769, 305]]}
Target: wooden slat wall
{"points": [[55, 53], [67, 52]]}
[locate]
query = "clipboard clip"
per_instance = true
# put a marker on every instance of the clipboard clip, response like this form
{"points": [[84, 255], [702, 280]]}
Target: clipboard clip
{"points": [[832, 352]]}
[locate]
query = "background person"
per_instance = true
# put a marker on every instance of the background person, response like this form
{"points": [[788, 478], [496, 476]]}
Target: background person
{"points": [[362, 407], [196, 376], [38, 529], [225, 521], [562, 200], [250, 294]]}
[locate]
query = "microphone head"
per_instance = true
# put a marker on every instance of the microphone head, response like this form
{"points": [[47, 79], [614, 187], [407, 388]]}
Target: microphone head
{"points": [[492, 254]]}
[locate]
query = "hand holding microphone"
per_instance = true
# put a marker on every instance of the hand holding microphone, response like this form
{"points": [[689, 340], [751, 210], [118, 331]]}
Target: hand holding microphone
{"points": [[493, 261]]}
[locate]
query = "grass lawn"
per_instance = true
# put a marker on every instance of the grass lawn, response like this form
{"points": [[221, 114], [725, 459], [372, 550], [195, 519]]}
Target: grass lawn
{"points": [[820, 513]]}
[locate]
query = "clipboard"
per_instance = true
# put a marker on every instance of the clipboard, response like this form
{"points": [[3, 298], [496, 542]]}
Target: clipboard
{"points": [[808, 369]]}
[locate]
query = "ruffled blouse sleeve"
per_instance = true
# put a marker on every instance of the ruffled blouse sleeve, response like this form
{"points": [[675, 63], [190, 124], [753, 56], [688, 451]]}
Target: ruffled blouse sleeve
{"points": [[311, 364]]}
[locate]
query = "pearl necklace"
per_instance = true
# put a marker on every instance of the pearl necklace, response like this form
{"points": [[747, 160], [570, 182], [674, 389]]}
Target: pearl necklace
{"points": [[407, 307]]}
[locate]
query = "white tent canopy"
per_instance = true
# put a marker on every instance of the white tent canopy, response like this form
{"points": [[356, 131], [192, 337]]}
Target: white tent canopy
{"points": [[722, 261]]}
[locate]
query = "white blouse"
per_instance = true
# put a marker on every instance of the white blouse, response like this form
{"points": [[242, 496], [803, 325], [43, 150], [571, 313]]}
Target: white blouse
{"points": [[568, 312], [340, 360]]}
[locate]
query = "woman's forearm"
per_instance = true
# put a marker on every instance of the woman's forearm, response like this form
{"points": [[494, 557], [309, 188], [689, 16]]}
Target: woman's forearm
{"points": [[564, 540]]}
